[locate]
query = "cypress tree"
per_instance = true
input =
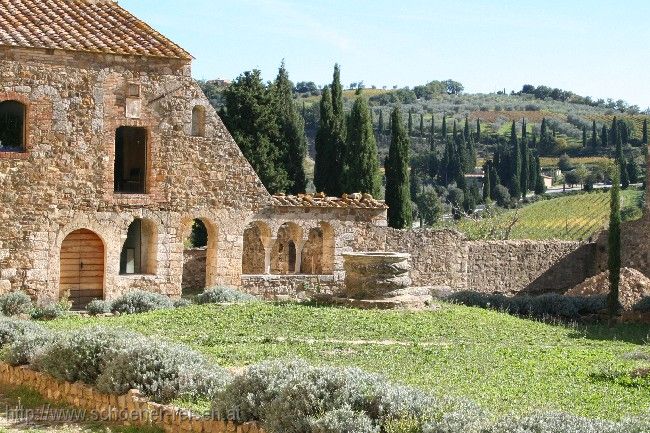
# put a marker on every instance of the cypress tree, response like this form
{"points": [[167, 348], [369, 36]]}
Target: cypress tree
{"points": [[594, 135], [292, 132], [432, 132], [532, 170], [433, 159], [325, 151], [478, 130], [525, 166], [443, 129], [471, 155], [397, 176], [584, 137], [613, 132], [381, 122], [614, 246], [454, 133], [362, 162], [644, 133], [618, 142], [604, 135], [338, 134], [632, 171], [524, 132], [539, 184], [515, 156], [487, 170], [410, 123], [466, 129], [421, 125]]}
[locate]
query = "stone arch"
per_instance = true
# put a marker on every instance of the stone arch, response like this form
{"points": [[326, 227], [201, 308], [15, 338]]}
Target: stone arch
{"points": [[200, 260], [198, 121], [318, 252], [139, 254], [288, 241], [82, 267], [257, 240]]}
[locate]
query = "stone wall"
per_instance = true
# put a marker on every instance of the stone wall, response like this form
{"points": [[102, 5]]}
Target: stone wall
{"points": [[284, 287], [536, 267], [635, 246], [132, 409]]}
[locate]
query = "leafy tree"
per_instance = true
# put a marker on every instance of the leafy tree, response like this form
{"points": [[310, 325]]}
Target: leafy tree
{"points": [[362, 163], [292, 131], [453, 87], [502, 196], [456, 198], [306, 87], [249, 116], [397, 176], [565, 163], [614, 246], [429, 206], [644, 132]]}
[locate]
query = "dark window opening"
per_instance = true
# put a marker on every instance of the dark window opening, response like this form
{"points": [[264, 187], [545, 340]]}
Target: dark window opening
{"points": [[12, 126], [292, 257], [130, 160]]}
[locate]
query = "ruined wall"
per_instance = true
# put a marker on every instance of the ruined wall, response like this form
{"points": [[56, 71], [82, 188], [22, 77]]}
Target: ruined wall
{"points": [[194, 266], [635, 246], [284, 287], [64, 179]]}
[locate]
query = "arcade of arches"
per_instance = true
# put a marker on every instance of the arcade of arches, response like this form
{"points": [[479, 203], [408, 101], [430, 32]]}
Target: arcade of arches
{"points": [[293, 250]]}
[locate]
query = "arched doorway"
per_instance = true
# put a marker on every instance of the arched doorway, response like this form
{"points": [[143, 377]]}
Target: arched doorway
{"points": [[82, 268], [257, 238], [199, 256], [140, 250], [285, 257]]}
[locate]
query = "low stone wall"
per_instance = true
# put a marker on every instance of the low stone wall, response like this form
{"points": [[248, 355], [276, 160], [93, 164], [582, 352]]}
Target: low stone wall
{"points": [[130, 409], [278, 287], [534, 267]]}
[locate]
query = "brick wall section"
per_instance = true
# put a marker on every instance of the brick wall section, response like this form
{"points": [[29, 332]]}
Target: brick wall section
{"points": [[85, 397], [278, 287]]}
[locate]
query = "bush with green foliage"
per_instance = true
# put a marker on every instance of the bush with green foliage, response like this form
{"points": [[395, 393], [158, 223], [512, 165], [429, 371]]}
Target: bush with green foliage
{"points": [[12, 329], [82, 355], [162, 371], [15, 303], [220, 295], [27, 347], [98, 306], [344, 420], [182, 303], [51, 311], [502, 196], [139, 301]]}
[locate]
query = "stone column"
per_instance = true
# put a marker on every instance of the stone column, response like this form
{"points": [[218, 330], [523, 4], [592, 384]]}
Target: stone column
{"points": [[299, 246], [267, 258]]}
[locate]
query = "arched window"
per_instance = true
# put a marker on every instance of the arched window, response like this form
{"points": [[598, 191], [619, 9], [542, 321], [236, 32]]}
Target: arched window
{"points": [[257, 238], [139, 253], [12, 126], [198, 121]]}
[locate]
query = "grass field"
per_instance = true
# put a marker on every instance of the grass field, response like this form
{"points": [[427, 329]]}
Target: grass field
{"points": [[575, 217], [506, 364]]}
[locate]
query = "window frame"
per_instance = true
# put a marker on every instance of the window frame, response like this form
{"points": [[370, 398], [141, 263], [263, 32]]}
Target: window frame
{"points": [[21, 152]]}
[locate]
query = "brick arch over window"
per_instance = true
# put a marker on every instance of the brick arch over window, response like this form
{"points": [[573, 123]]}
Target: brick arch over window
{"points": [[13, 126], [257, 240]]}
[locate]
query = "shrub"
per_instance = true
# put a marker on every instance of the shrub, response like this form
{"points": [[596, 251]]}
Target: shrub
{"points": [[50, 311], [15, 303], [83, 354], [551, 423], [162, 372], [217, 295], [643, 306], [139, 301], [344, 420], [182, 303], [26, 348], [98, 306], [12, 329], [502, 196]]}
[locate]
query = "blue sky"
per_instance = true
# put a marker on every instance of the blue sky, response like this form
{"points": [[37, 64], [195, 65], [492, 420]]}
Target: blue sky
{"points": [[597, 48]]}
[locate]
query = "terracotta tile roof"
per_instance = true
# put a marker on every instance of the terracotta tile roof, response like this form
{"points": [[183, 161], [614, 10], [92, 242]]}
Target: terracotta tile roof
{"points": [[96, 26], [353, 201]]}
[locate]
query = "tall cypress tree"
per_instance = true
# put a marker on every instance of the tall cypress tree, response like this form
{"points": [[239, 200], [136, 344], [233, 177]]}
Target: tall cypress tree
{"points": [[338, 133], [397, 176], [466, 129], [381, 122], [292, 131], [324, 168], [410, 123], [525, 166], [532, 169], [487, 169], [362, 161], [524, 132], [614, 246], [539, 184], [594, 135], [478, 130], [604, 137], [644, 133], [421, 125], [432, 132], [584, 137], [443, 129], [515, 157]]}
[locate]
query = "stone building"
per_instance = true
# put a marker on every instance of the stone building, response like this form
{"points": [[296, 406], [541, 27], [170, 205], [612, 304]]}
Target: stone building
{"points": [[109, 151]]}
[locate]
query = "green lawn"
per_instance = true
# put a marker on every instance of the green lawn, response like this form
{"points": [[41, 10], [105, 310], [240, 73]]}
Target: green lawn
{"points": [[573, 217], [505, 363]]}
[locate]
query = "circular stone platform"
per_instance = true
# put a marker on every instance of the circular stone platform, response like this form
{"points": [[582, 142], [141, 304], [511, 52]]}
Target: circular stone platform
{"points": [[375, 275]]}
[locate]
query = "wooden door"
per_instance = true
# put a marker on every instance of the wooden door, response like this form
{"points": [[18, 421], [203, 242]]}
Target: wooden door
{"points": [[82, 268]]}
